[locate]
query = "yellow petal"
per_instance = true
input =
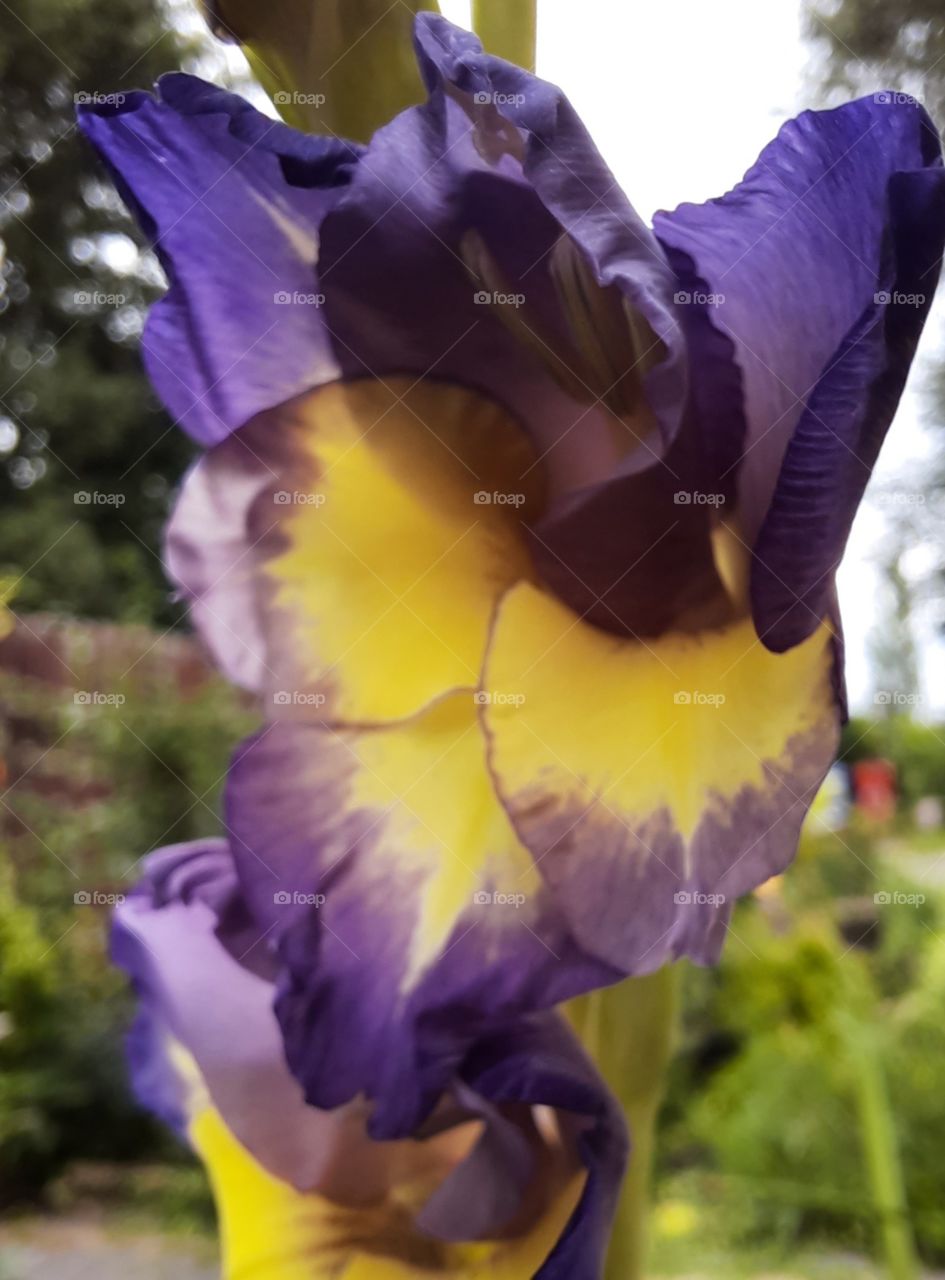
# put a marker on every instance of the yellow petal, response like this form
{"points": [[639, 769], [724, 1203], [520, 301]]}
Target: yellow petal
{"points": [[271, 1232], [641, 772], [393, 560], [443, 820]]}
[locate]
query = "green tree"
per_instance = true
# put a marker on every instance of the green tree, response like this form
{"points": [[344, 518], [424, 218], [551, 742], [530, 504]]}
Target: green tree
{"points": [[891, 644], [76, 413], [871, 45]]}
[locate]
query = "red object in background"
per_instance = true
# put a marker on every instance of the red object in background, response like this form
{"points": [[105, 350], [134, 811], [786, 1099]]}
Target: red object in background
{"points": [[874, 789]]}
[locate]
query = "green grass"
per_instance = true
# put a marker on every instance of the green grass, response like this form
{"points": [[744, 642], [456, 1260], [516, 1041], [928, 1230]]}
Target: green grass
{"points": [[708, 1229], [723, 1265]]}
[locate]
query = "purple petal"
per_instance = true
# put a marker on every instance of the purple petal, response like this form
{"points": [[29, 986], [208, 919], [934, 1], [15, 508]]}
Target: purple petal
{"points": [[539, 1063], [405, 929], [843, 207], [838, 437], [485, 1191], [497, 155], [179, 936], [176, 935], [633, 558], [232, 201]]}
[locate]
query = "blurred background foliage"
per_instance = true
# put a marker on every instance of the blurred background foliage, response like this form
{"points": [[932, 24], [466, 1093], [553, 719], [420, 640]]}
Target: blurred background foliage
{"points": [[764, 1130], [873, 44], [76, 415], [98, 779], [761, 1153]]}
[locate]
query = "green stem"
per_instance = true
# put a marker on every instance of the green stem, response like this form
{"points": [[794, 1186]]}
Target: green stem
{"points": [[882, 1154], [330, 66], [629, 1029], [508, 28]]}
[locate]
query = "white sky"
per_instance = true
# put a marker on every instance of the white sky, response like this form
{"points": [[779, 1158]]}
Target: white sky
{"points": [[681, 96]]}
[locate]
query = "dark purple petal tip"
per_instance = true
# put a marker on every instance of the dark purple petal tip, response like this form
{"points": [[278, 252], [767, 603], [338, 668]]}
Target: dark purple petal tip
{"points": [[824, 260], [232, 202]]}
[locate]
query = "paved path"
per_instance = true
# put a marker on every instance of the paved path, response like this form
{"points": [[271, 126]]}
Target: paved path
{"points": [[68, 1252]]}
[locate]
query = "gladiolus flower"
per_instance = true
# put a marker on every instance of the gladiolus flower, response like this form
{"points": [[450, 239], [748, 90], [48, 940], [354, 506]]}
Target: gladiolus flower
{"points": [[522, 517], [515, 1174]]}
